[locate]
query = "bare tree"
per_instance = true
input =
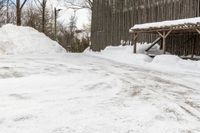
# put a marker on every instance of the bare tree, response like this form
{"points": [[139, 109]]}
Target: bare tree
{"points": [[30, 17], [72, 24], [2, 4], [33, 16], [7, 11], [19, 7], [42, 8], [89, 3], [76, 4], [72, 28]]}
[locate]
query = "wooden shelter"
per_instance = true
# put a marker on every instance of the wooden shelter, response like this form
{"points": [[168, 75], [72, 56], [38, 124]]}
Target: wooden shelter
{"points": [[112, 19], [164, 29]]}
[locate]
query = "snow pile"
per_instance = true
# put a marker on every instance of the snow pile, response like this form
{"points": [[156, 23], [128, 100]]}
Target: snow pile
{"points": [[176, 63], [166, 59], [26, 40], [166, 23], [123, 54]]}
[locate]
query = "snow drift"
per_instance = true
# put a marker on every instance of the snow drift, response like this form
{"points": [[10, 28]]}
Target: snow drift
{"points": [[176, 63], [26, 40], [124, 54]]}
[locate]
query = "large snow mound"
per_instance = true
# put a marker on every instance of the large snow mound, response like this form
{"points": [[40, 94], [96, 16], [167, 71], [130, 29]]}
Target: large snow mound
{"points": [[26, 40]]}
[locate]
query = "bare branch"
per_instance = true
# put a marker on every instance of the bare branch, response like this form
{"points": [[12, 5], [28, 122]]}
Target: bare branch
{"points": [[89, 3], [39, 2], [13, 3], [72, 5], [23, 4], [37, 6]]}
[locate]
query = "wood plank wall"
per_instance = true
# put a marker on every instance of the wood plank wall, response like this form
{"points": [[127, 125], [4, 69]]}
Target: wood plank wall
{"points": [[112, 19]]}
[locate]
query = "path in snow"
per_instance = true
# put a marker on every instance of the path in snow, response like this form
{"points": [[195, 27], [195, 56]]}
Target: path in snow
{"points": [[82, 94]]}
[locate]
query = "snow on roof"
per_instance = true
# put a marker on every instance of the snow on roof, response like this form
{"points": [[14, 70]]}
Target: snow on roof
{"points": [[166, 24]]}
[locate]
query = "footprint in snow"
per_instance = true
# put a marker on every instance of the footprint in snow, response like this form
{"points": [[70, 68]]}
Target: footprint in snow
{"points": [[23, 118], [63, 130], [19, 96]]}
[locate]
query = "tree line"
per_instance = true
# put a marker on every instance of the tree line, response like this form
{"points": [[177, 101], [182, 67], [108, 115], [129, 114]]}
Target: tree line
{"points": [[37, 14]]}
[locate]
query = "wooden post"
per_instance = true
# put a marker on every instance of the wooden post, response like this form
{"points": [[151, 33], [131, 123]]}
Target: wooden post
{"points": [[193, 50], [135, 36], [164, 42], [164, 35]]}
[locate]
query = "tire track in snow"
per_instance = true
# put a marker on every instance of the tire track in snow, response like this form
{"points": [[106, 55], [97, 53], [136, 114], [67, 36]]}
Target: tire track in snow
{"points": [[163, 83]]}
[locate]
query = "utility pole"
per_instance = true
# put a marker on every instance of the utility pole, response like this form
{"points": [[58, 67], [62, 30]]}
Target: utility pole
{"points": [[55, 22]]}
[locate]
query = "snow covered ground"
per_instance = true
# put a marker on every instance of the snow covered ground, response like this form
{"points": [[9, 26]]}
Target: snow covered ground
{"points": [[49, 92]]}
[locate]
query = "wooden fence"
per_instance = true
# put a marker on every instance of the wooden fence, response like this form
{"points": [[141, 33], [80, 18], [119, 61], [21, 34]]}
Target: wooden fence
{"points": [[112, 19]]}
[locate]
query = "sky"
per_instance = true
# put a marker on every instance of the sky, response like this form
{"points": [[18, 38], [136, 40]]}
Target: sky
{"points": [[83, 15]]}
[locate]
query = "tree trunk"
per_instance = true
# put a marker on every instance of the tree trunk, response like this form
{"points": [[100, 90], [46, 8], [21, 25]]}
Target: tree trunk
{"points": [[55, 24], [7, 12], [43, 15], [18, 12]]}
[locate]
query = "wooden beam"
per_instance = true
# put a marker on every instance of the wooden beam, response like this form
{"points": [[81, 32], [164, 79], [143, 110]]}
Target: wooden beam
{"points": [[165, 34], [168, 33], [153, 43], [160, 34], [193, 47], [198, 31]]}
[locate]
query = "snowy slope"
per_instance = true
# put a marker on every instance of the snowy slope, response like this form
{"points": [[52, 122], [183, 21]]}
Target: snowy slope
{"points": [[26, 40]]}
